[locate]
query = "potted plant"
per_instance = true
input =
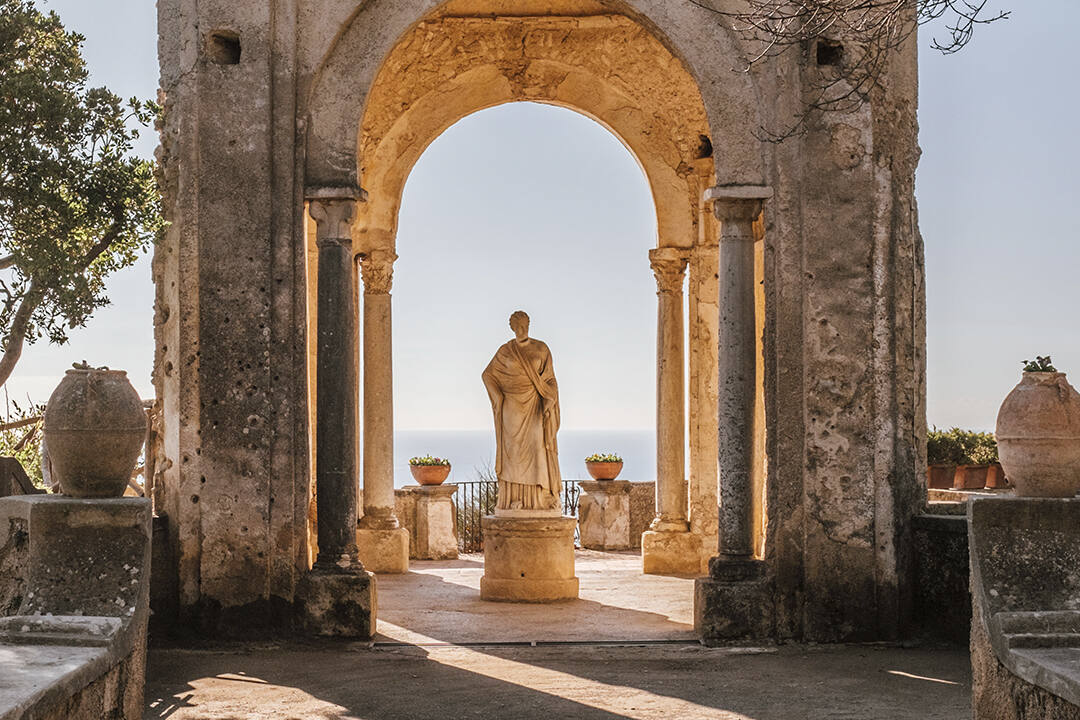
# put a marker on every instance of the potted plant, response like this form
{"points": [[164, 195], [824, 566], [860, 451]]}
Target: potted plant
{"points": [[428, 470], [944, 451], [979, 452], [603, 466], [1038, 433]]}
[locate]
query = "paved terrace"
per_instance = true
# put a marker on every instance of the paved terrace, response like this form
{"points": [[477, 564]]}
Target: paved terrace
{"points": [[624, 650]]}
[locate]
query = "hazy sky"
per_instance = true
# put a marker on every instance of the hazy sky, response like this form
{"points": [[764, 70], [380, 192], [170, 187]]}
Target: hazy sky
{"points": [[533, 207]]}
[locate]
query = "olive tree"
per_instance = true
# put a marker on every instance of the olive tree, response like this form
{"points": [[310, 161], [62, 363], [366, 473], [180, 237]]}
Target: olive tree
{"points": [[76, 204]]}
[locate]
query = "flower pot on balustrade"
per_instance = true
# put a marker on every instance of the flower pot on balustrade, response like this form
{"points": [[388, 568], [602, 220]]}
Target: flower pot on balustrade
{"points": [[995, 478], [94, 429], [1038, 436], [604, 470], [940, 477], [970, 477], [430, 474]]}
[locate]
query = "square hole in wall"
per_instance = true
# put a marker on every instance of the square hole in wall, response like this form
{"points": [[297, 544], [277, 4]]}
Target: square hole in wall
{"points": [[829, 52], [223, 47]]}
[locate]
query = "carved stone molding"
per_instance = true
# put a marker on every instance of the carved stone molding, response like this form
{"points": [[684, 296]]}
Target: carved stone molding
{"points": [[377, 270], [736, 207], [669, 267], [333, 220]]}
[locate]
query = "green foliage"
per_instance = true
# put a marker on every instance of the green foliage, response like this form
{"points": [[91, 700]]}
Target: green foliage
{"points": [[1040, 364], [604, 457], [960, 447], [23, 441], [428, 460], [75, 203]]}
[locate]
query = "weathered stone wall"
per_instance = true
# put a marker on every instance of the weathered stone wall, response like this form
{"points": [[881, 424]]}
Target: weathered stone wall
{"points": [[229, 313], [941, 588], [843, 352]]}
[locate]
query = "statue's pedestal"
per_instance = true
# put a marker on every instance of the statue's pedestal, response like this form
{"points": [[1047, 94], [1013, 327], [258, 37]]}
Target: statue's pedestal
{"points": [[528, 559]]}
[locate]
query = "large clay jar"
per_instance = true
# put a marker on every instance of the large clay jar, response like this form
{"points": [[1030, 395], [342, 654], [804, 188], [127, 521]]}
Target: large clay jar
{"points": [[94, 429], [1038, 435]]}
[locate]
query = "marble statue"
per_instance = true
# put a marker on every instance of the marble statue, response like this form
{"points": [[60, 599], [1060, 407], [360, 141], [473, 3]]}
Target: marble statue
{"points": [[520, 381]]}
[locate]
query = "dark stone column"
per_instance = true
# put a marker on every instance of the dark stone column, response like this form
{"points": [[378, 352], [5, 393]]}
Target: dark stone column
{"points": [[335, 386]]}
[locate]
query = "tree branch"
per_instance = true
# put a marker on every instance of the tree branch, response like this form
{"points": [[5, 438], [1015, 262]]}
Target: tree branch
{"points": [[20, 323], [7, 262], [20, 423]]}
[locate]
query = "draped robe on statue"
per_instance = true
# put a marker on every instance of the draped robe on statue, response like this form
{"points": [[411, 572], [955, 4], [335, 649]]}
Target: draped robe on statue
{"points": [[520, 381]]}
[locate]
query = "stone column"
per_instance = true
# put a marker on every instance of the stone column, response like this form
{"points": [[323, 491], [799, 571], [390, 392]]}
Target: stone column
{"points": [[735, 600], [668, 546], [338, 596], [335, 386], [383, 543], [737, 365]]}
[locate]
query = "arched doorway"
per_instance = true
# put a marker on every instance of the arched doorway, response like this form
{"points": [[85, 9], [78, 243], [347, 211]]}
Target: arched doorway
{"points": [[613, 69]]}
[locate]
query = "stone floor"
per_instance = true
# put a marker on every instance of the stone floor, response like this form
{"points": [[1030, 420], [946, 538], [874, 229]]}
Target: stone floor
{"points": [[624, 650], [439, 602]]}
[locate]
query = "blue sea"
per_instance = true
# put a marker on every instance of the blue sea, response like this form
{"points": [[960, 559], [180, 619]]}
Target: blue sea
{"points": [[470, 452]]}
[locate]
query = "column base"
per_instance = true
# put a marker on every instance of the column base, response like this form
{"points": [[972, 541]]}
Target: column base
{"points": [[528, 559], [734, 602], [337, 604], [383, 551], [670, 553], [604, 514]]}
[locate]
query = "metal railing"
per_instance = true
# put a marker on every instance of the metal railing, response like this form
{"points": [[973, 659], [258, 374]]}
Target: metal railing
{"points": [[475, 499]]}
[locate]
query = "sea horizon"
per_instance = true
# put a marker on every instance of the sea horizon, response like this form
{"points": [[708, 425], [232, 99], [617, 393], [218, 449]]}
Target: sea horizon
{"points": [[472, 452]]}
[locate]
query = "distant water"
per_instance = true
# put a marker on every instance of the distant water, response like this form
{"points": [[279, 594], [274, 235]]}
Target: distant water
{"points": [[471, 451]]}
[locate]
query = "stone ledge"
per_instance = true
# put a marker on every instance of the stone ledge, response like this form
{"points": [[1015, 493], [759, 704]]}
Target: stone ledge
{"points": [[79, 552], [1011, 541]]}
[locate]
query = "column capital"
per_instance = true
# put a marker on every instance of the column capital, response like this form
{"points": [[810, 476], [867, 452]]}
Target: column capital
{"points": [[333, 221], [377, 271], [669, 267], [738, 202]]}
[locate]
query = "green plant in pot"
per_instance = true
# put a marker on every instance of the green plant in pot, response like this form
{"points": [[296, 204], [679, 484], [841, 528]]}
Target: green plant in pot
{"points": [[980, 450], [944, 451], [429, 470], [604, 466]]}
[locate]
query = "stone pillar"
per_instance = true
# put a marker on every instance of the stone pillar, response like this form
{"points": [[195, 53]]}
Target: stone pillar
{"points": [[436, 529], [338, 596], [604, 514], [383, 543], [735, 600], [702, 348], [668, 546], [335, 385]]}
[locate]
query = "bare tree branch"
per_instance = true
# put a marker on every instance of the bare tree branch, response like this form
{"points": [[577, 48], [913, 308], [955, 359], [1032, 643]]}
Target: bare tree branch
{"points": [[861, 35]]}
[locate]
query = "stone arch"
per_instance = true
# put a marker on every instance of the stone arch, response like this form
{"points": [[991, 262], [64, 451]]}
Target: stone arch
{"points": [[378, 34]]}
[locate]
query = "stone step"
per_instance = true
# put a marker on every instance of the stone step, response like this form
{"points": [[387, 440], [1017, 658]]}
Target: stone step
{"points": [[1016, 641], [1039, 622]]}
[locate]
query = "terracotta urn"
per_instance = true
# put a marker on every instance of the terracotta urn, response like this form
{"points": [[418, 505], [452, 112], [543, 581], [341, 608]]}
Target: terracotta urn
{"points": [[94, 427], [1038, 436], [604, 470], [429, 474]]}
